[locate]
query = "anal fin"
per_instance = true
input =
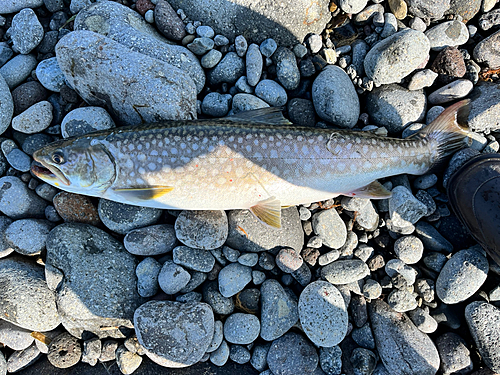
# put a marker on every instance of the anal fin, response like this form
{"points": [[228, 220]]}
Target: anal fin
{"points": [[268, 211], [143, 194], [373, 190]]}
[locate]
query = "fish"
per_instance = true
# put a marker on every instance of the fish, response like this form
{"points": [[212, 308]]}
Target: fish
{"points": [[255, 160]]}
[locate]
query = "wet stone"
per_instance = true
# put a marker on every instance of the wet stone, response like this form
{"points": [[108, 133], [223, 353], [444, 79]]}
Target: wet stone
{"points": [[122, 218], [323, 314], [421, 79], [173, 278], [259, 355], [233, 278], [268, 47], [363, 360], [64, 351], [278, 312], [241, 328], [283, 357], [76, 208], [202, 229], [50, 75]]}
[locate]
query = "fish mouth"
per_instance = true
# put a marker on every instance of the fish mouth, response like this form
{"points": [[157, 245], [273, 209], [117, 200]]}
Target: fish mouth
{"points": [[48, 173]]}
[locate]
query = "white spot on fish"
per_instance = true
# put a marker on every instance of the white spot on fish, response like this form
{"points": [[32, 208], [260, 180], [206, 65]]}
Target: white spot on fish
{"points": [[160, 144], [194, 146], [305, 150], [307, 168], [153, 153], [131, 147], [300, 138], [380, 164], [214, 172], [374, 154], [173, 160], [349, 146], [164, 153], [139, 147], [141, 170], [367, 164], [152, 166], [173, 151], [179, 169], [240, 139], [286, 148], [147, 145], [317, 149], [231, 139], [141, 157], [420, 156], [365, 149], [320, 138], [264, 145], [132, 174], [353, 167], [341, 166], [374, 141], [403, 163], [358, 140], [129, 182], [221, 180], [256, 142], [129, 164], [211, 148], [159, 160], [153, 142], [183, 145], [273, 154], [400, 150], [391, 147], [239, 172], [248, 148]]}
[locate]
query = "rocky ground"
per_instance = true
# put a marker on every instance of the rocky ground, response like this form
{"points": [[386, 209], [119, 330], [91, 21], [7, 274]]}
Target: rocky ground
{"points": [[347, 286]]}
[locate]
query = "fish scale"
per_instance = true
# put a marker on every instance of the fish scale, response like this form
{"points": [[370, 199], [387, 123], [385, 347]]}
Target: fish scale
{"points": [[240, 163]]}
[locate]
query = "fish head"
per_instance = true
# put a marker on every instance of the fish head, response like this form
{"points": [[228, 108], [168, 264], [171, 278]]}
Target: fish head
{"points": [[81, 165]]}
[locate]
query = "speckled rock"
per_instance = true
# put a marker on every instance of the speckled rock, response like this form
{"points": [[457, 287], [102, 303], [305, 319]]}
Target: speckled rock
{"points": [[486, 51], [6, 105], [323, 314], [205, 230], [17, 69], [28, 236], [462, 276], [394, 334], [396, 56], [334, 97], [17, 201], [328, 226], [279, 310], [64, 351], [283, 357], [174, 334], [168, 22], [122, 218], [152, 240], [76, 208], [98, 87], [26, 31], [173, 278], [287, 71], [455, 356], [80, 258], [233, 278], [247, 233], [395, 107], [14, 337], [447, 34], [147, 272], [484, 115], [241, 328], [193, 259], [22, 359], [220, 304], [483, 321], [25, 298], [228, 70], [345, 271]]}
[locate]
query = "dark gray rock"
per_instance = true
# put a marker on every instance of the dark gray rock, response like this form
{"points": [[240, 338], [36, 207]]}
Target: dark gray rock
{"points": [[431, 238], [152, 240], [174, 334], [345, 271], [279, 310], [173, 278], [233, 278], [454, 354], [228, 70], [6, 105], [28, 236], [287, 71], [80, 258], [220, 304], [19, 202], [193, 259], [122, 218], [205, 230], [147, 272], [483, 321], [283, 357]]}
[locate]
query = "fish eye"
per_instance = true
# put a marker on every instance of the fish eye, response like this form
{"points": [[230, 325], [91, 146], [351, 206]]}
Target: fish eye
{"points": [[58, 157]]}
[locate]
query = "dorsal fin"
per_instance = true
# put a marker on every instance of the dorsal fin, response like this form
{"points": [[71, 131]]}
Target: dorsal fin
{"points": [[268, 116]]}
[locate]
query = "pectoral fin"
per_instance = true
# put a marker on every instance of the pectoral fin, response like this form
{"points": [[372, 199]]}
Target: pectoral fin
{"points": [[374, 190], [143, 194], [268, 211]]}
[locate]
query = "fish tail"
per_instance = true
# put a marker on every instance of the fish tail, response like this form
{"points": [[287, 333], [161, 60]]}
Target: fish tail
{"points": [[447, 132]]}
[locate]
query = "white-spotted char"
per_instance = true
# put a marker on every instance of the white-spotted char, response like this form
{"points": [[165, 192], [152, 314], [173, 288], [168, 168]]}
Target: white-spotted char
{"points": [[240, 162]]}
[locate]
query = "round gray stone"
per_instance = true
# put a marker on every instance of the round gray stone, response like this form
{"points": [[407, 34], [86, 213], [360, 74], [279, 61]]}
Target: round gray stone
{"points": [[19, 202], [328, 226], [397, 56], [409, 249], [17, 69], [24, 297], [287, 71], [246, 102], [323, 314], [13, 6], [6, 105], [462, 276], [80, 258], [35, 119], [241, 328], [122, 218], [254, 63], [174, 334], [205, 230], [84, 120], [228, 70], [15, 337], [215, 104], [28, 236], [453, 91], [454, 353], [220, 356], [152, 240], [279, 310], [50, 75], [335, 98], [194, 259], [447, 34], [220, 304], [395, 107], [233, 278], [283, 357], [173, 278], [271, 92]]}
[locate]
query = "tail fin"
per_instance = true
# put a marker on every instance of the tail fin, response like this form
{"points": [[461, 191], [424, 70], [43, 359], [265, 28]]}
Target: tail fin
{"points": [[447, 131]]}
